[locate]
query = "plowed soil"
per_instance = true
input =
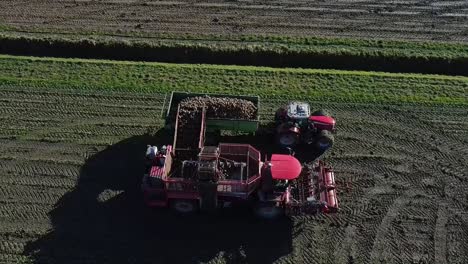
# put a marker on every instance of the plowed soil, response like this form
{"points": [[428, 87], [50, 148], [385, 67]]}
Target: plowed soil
{"points": [[409, 20], [70, 163]]}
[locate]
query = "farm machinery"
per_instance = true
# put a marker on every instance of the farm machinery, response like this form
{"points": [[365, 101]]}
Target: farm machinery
{"points": [[295, 124], [192, 174]]}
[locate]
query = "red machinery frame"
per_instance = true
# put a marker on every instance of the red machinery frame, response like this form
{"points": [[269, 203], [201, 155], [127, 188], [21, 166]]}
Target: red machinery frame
{"points": [[173, 186], [316, 184]]}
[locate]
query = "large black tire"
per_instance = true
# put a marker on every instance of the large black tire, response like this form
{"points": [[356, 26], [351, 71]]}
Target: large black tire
{"points": [[268, 210], [321, 112], [280, 115], [324, 140], [184, 206], [170, 127], [288, 139]]}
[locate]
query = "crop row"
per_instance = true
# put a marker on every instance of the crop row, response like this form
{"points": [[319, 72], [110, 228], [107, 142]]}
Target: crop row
{"points": [[160, 78]]}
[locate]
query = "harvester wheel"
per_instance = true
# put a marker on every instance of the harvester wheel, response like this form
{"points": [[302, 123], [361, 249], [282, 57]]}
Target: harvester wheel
{"points": [[184, 206], [321, 112], [288, 139], [324, 140], [268, 210]]}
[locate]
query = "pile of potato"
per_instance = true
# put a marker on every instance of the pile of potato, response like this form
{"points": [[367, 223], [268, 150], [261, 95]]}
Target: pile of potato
{"points": [[216, 107]]}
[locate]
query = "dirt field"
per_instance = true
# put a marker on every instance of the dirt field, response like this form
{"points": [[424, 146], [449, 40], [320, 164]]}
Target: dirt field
{"points": [[412, 20], [66, 198]]}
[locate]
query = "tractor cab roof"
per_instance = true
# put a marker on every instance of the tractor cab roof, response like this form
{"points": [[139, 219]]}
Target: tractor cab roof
{"points": [[285, 167], [298, 110]]}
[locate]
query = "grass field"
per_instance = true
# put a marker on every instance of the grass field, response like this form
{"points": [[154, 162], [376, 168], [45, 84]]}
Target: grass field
{"points": [[73, 134], [318, 85]]}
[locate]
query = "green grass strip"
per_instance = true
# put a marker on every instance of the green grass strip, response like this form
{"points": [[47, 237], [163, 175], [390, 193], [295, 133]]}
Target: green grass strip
{"points": [[147, 77]]}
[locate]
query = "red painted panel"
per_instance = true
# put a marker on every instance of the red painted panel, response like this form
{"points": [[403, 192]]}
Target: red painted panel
{"points": [[329, 178], [285, 167], [156, 171], [327, 120], [331, 197]]}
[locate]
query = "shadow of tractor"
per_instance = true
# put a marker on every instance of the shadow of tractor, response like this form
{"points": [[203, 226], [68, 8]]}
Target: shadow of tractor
{"points": [[103, 220]]}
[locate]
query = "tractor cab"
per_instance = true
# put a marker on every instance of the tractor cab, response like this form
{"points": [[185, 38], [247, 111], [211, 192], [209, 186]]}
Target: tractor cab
{"points": [[298, 112], [156, 157], [155, 168]]}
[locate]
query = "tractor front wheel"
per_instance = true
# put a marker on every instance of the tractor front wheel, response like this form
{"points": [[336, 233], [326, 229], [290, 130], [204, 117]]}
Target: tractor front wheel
{"points": [[268, 210], [325, 140], [184, 206], [288, 139]]}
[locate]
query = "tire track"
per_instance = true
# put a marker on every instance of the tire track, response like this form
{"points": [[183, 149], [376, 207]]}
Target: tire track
{"points": [[440, 236]]}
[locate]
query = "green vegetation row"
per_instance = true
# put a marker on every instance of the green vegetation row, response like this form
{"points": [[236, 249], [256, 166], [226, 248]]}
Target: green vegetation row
{"points": [[278, 43], [276, 51], [317, 85]]}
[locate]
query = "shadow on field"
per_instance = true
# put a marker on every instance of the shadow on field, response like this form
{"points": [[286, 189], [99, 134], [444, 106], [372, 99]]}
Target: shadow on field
{"points": [[103, 220]]}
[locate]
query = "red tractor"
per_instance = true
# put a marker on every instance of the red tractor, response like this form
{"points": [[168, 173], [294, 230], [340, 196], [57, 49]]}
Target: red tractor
{"points": [[191, 175], [295, 125]]}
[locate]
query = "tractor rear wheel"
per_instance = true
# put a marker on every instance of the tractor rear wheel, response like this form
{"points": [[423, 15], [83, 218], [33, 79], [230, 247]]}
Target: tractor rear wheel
{"points": [[268, 210], [184, 206], [320, 112], [324, 140], [280, 115], [288, 139]]}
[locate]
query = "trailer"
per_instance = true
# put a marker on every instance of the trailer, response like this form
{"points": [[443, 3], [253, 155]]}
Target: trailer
{"points": [[213, 124]]}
